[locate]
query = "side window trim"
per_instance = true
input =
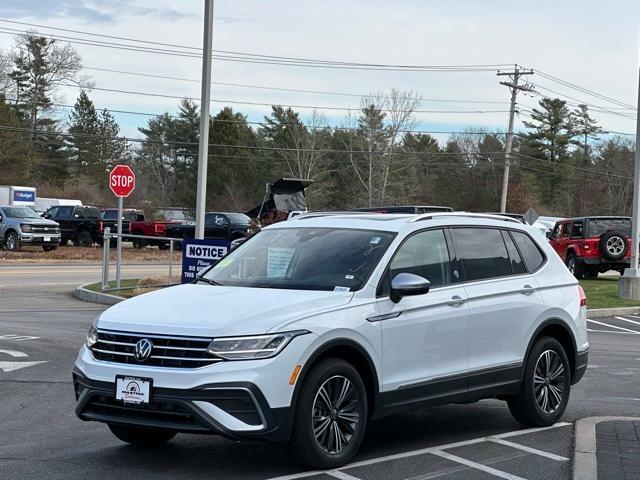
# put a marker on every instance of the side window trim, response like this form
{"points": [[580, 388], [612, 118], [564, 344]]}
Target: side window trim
{"points": [[386, 272]]}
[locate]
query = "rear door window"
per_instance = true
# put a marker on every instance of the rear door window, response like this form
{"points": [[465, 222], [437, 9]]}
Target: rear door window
{"points": [[482, 252], [531, 254], [577, 230]]}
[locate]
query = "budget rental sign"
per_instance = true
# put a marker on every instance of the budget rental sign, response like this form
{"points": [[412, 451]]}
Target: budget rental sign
{"points": [[200, 254]]}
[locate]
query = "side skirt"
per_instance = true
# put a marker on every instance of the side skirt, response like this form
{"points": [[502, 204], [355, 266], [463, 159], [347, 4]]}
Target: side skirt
{"points": [[476, 385]]}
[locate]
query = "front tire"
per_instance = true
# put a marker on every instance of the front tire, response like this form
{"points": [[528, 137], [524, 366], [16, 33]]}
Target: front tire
{"points": [[330, 415], [12, 242], [84, 239], [141, 436], [574, 267], [546, 385]]}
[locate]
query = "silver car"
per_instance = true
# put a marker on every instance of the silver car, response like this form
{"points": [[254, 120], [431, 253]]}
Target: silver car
{"points": [[21, 226]]}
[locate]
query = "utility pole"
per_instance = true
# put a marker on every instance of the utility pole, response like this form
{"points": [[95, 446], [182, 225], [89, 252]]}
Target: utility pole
{"points": [[629, 284], [205, 99], [513, 85]]}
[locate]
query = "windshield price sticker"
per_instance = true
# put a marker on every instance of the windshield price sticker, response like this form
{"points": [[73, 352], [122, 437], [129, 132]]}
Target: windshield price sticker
{"points": [[278, 261]]}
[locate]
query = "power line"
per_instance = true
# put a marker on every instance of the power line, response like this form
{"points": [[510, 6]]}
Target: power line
{"points": [[239, 102], [583, 90], [263, 59], [295, 90]]}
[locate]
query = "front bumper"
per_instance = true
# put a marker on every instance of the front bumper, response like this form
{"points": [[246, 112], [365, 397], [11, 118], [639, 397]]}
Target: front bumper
{"points": [[235, 410], [40, 239]]}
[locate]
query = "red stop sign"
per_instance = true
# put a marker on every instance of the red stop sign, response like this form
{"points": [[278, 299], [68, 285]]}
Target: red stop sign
{"points": [[122, 180]]}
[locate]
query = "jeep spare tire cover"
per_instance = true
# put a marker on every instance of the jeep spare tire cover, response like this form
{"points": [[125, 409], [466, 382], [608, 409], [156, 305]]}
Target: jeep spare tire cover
{"points": [[613, 245]]}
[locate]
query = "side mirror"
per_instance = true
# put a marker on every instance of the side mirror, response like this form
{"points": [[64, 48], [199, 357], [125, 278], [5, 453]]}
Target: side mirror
{"points": [[1, 218], [407, 284], [548, 234]]}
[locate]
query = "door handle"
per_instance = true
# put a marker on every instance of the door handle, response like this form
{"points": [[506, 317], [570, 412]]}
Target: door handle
{"points": [[456, 301], [527, 290]]}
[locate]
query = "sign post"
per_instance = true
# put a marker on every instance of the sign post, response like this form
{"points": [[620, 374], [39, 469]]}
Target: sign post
{"points": [[122, 181]]}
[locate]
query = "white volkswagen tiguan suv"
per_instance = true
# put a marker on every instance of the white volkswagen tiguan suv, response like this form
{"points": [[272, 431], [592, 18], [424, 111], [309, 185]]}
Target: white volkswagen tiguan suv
{"points": [[320, 324]]}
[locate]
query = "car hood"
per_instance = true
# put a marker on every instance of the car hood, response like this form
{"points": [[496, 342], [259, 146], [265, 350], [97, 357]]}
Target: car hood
{"points": [[206, 310], [35, 221]]}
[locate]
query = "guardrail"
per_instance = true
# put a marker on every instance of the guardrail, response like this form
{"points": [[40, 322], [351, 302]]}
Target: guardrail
{"points": [[106, 261]]}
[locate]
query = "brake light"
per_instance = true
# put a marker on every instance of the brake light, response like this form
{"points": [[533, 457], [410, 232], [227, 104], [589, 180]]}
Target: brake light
{"points": [[583, 297], [101, 227]]}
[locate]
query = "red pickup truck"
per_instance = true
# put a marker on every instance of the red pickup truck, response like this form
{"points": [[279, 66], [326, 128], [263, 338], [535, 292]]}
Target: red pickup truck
{"points": [[150, 228]]}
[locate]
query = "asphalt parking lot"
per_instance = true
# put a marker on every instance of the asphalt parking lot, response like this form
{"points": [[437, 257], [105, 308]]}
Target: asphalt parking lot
{"points": [[41, 329]]}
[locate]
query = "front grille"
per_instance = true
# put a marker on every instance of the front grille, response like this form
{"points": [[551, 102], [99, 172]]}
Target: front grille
{"points": [[164, 413], [167, 351], [44, 229]]}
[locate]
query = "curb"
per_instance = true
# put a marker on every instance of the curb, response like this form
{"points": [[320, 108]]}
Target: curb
{"points": [[85, 295], [585, 465], [612, 312]]}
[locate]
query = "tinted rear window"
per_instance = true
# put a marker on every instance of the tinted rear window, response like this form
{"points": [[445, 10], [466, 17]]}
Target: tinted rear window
{"points": [[530, 252], [482, 251], [598, 226], [110, 215]]}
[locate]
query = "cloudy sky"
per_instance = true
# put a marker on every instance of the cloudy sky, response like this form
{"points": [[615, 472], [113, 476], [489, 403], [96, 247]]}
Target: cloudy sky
{"points": [[593, 44]]}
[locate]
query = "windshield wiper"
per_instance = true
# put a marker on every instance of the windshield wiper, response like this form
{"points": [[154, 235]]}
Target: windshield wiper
{"points": [[206, 280]]}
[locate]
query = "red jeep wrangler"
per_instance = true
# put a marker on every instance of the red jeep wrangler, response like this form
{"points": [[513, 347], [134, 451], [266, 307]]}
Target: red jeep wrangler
{"points": [[590, 245]]}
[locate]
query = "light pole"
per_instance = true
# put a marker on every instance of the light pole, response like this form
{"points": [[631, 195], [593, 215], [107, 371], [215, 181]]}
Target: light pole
{"points": [[629, 284], [205, 98]]}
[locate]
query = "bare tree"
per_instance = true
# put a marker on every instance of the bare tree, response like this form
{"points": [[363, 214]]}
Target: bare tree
{"points": [[381, 126]]}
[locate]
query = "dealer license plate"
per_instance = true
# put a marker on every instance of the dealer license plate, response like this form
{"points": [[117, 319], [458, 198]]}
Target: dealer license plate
{"points": [[133, 390], [46, 239]]}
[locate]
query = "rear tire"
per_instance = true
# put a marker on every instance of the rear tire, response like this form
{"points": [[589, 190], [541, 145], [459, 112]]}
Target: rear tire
{"points": [[142, 436], [546, 385], [84, 239], [330, 415]]}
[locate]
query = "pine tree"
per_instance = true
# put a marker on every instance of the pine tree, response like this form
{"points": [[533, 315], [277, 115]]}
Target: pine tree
{"points": [[84, 128]]}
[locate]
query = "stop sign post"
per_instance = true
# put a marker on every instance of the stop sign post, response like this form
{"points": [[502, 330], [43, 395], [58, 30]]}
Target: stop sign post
{"points": [[122, 181]]}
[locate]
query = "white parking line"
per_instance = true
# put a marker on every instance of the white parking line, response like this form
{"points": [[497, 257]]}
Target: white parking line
{"points": [[422, 451], [608, 331], [535, 451], [476, 466], [627, 320], [342, 475], [613, 326], [18, 338]]}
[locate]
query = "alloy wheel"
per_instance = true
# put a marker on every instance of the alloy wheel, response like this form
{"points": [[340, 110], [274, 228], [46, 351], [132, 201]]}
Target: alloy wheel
{"points": [[615, 245], [571, 265], [549, 381], [11, 242], [336, 414]]}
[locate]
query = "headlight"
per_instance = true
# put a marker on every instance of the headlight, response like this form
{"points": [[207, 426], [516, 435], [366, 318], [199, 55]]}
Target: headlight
{"points": [[92, 336], [252, 348], [25, 227]]}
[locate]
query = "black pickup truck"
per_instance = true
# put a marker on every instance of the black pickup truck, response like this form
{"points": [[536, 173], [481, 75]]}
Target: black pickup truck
{"points": [[80, 224], [223, 225]]}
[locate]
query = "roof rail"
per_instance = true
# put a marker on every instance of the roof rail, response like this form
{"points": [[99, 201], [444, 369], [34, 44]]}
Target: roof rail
{"points": [[305, 215], [430, 216]]}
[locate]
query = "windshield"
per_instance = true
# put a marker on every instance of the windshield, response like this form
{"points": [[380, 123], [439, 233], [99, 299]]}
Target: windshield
{"points": [[598, 226], [335, 259], [238, 218], [20, 212]]}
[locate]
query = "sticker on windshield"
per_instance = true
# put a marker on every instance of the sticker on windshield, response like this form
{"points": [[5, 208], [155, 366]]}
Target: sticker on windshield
{"points": [[375, 240], [341, 289], [349, 277], [278, 261]]}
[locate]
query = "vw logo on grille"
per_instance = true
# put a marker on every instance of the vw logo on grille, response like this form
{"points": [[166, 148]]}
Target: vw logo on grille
{"points": [[143, 349]]}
